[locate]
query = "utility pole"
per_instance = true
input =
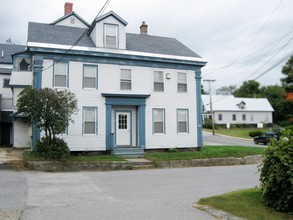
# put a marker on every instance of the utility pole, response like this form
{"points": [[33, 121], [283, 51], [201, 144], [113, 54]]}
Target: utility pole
{"points": [[211, 102]]}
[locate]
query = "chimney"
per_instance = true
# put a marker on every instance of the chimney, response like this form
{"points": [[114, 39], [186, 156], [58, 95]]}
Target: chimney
{"points": [[68, 8], [143, 28]]}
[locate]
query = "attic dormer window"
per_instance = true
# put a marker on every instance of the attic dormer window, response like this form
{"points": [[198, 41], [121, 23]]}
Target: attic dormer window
{"points": [[24, 64], [241, 105], [111, 35]]}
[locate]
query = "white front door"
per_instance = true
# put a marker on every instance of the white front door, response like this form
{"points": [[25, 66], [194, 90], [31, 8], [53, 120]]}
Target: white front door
{"points": [[123, 129]]}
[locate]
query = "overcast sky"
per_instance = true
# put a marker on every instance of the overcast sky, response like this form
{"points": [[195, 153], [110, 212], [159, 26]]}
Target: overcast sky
{"points": [[240, 39]]}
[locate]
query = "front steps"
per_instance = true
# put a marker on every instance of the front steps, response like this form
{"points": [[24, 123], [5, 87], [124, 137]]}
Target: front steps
{"points": [[128, 151]]}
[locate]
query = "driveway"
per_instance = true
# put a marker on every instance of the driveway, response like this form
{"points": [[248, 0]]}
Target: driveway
{"points": [[138, 194]]}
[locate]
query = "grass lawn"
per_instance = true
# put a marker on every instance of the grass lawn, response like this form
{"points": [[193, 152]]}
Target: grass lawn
{"points": [[28, 156], [244, 203], [236, 132], [206, 152]]}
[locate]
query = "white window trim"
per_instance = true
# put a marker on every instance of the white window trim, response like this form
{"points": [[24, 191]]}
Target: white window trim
{"points": [[96, 77], [83, 120], [164, 121], [163, 82], [181, 82], [67, 75], [126, 68], [187, 121], [117, 35]]}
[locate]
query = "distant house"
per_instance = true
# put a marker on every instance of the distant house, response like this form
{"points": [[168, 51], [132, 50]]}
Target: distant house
{"points": [[6, 98], [135, 91], [230, 110]]}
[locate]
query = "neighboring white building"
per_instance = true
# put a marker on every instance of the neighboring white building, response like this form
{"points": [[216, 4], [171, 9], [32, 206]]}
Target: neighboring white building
{"points": [[229, 110], [6, 97], [134, 91]]}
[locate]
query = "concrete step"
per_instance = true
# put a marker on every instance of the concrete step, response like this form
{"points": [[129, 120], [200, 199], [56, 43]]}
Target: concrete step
{"points": [[128, 151]]}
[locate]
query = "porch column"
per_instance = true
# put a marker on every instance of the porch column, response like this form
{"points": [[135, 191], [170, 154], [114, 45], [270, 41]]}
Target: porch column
{"points": [[37, 84], [109, 137], [141, 113], [198, 106]]}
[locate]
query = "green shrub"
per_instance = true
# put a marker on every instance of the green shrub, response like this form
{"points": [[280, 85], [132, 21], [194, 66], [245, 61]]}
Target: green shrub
{"points": [[276, 174], [56, 150], [254, 133]]}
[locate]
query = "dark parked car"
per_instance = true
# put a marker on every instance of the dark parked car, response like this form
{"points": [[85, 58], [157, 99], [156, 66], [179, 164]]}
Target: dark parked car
{"points": [[265, 138]]}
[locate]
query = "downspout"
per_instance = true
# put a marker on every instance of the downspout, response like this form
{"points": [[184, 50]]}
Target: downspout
{"points": [[198, 107]]}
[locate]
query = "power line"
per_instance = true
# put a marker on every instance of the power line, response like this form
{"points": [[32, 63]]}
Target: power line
{"points": [[81, 36]]}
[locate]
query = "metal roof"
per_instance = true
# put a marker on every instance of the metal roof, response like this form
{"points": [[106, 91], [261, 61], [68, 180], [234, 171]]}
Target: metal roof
{"points": [[230, 103]]}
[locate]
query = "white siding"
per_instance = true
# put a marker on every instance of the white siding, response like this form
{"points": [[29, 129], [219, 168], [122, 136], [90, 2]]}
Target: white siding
{"points": [[21, 134], [6, 99], [142, 83], [72, 21], [258, 117], [97, 34]]}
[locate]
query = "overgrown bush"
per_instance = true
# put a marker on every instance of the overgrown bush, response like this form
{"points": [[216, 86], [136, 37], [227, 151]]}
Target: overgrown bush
{"points": [[254, 133], [276, 174], [55, 149]]}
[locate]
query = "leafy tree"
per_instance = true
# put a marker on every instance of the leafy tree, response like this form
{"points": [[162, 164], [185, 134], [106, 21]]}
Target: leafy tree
{"points": [[287, 83], [276, 96], [248, 89], [226, 90], [49, 109], [276, 173]]}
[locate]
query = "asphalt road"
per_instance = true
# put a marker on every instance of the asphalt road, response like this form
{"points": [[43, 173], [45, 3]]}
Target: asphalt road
{"points": [[138, 194], [214, 140]]}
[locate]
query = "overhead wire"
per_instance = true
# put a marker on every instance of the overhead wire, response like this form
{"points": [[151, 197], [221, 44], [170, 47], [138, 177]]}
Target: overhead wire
{"points": [[81, 36]]}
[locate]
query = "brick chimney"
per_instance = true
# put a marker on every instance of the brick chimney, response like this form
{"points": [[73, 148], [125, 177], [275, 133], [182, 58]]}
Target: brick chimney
{"points": [[68, 8], [143, 28]]}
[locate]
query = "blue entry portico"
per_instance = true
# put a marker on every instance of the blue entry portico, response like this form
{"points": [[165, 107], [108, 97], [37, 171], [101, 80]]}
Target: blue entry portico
{"points": [[126, 100]]}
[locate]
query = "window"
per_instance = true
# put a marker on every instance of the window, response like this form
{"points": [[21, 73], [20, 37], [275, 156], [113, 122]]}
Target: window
{"points": [[111, 35], [158, 81], [125, 79], [6, 83], [24, 64], [159, 121], [182, 121], [60, 75], [181, 82], [243, 117], [89, 120], [90, 76], [234, 117], [220, 117]]}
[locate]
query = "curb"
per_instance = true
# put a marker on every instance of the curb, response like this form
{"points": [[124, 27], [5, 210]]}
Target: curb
{"points": [[56, 166]]}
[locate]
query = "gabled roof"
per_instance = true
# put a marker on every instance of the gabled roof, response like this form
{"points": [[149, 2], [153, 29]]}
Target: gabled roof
{"points": [[68, 15], [230, 104], [111, 13], [63, 35], [102, 17], [8, 50]]}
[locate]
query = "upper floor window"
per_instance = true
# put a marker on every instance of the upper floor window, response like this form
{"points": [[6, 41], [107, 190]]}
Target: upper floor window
{"points": [[125, 79], [60, 75], [6, 83], [181, 82], [158, 81], [24, 64], [182, 121], [111, 35], [90, 76]]}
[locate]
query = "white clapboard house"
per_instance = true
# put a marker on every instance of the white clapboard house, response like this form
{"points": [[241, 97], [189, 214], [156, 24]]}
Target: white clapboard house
{"points": [[135, 91], [230, 110]]}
